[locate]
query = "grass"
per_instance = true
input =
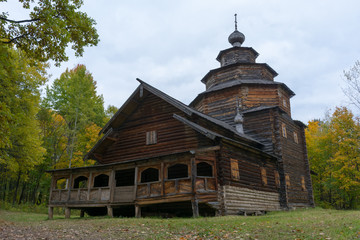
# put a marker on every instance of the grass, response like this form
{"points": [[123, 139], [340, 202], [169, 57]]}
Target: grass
{"points": [[300, 224]]}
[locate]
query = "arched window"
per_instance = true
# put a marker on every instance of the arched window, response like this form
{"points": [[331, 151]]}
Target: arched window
{"points": [[204, 169], [101, 180], [150, 175], [178, 171], [60, 183], [80, 182]]}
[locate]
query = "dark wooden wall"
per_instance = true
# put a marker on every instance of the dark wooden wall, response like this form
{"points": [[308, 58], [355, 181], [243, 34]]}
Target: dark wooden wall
{"points": [[153, 114], [222, 104], [295, 163], [249, 169]]}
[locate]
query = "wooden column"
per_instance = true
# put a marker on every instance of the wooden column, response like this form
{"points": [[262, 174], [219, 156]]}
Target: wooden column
{"points": [[112, 185], [162, 179], [110, 211], [51, 212], [82, 213], [195, 207], [52, 186], [135, 181], [69, 187], [67, 212], [89, 186], [137, 211]]}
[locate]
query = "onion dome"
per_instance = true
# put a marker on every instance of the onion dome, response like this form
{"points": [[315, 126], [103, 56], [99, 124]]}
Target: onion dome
{"points": [[236, 38]]}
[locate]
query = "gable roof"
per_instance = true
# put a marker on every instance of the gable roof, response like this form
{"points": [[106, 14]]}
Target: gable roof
{"points": [[174, 102], [135, 99]]}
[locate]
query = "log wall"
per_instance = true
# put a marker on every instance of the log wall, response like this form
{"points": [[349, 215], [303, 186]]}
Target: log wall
{"points": [[222, 104], [295, 163], [237, 200], [153, 114]]}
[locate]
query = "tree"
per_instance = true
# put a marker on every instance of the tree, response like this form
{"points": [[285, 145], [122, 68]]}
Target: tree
{"points": [[334, 154], [73, 96], [20, 142], [52, 25], [352, 89]]}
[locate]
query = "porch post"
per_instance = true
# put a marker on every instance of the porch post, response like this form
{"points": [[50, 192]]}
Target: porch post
{"points": [[110, 212], [82, 213], [137, 211], [195, 207], [51, 212], [67, 212]]}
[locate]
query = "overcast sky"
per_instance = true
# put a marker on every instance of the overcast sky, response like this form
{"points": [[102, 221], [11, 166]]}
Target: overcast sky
{"points": [[173, 44]]}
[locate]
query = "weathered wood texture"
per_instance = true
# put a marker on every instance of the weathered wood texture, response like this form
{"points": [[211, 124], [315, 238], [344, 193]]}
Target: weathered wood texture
{"points": [[222, 104], [238, 71], [249, 165], [238, 199], [295, 163], [153, 114], [260, 125]]}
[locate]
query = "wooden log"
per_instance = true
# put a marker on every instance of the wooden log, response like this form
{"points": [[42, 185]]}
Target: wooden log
{"points": [[110, 212], [67, 212], [195, 207], [137, 211], [50, 212]]}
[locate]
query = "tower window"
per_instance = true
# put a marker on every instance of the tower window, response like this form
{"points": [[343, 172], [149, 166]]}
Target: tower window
{"points": [[283, 130], [235, 169], [296, 139], [277, 178], [263, 176], [287, 180], [151, 137], [303, 187]]}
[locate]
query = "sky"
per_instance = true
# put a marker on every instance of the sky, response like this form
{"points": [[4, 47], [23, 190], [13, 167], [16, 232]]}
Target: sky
{"points": [[173, 44]]}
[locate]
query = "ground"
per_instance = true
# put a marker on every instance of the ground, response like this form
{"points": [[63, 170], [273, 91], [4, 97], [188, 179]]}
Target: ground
{"points": [[299, 224]]}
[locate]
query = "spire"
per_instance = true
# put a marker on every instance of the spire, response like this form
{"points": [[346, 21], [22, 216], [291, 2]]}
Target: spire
{"points": [[236, 38], [235, 22]]}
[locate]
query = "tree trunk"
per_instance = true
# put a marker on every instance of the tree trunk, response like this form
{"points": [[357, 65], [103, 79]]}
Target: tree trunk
{"points": [[22, 193], [16, 188]]}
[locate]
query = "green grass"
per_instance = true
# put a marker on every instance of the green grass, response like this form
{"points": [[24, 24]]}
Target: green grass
{"points": [[300, 224]]}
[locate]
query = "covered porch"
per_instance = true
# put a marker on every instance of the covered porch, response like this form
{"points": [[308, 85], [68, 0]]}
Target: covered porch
{"points": [[183, 177]]}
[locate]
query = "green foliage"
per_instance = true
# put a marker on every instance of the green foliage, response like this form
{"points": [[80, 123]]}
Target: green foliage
{"points": [[74, 100], [52, 25], [334, 154]]}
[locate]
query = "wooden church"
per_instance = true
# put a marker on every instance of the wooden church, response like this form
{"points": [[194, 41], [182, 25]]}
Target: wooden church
{"points": [[233, 150]]}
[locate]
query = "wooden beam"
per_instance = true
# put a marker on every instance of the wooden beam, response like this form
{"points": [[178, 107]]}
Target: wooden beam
{"points": [[195, 207], [112, 185], [110, 212], [137, 211], [50, 213], [67, 212]]}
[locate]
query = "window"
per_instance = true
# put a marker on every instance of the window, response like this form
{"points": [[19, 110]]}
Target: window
{"points": [[303, 187], [150, 175], [284, 102], [178, 171], [283, 130], [61, 183], [296, 139], [263, 176], [235, 169], [277, 178], [101, 180], [287, 180], [204, 169], [151, 137], [80, 182], [125, 177]]}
